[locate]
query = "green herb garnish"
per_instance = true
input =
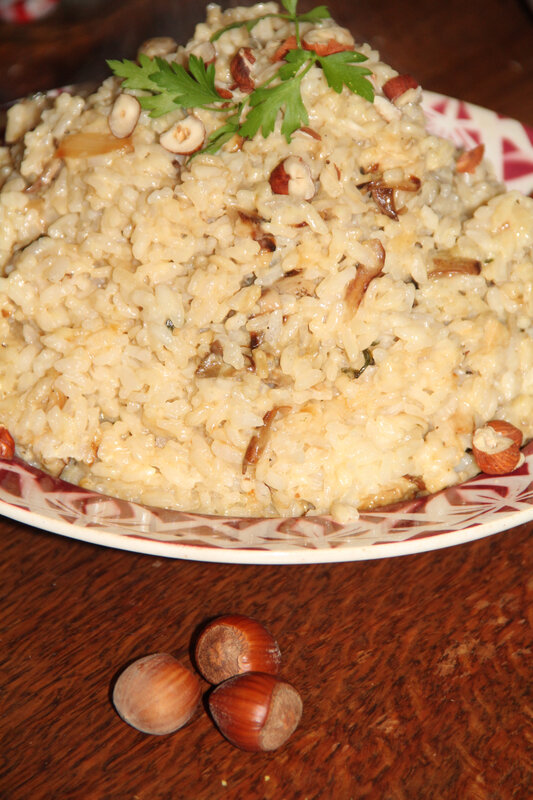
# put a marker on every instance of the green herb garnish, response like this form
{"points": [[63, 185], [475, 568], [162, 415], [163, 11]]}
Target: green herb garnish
{"points": [[171, 86], [315, 15], [369, 362]]}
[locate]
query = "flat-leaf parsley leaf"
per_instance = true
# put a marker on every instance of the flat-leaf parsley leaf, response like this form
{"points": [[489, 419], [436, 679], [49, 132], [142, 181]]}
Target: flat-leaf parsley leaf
{"points": [[170, 86]]}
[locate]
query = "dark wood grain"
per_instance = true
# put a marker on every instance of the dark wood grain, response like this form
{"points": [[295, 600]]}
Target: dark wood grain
{"points": [[415, 672]]}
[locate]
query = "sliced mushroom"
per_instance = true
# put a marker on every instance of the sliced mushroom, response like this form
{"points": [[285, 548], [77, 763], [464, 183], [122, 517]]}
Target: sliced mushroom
{"points": [[185, 137], [256, 339], [257, 444], [241, 69], [124, 115], [294, 284], [266, 241], [213, 363], [446, 265], [383, 197], [47, 176], [293, 177], [384, 194], [355, 291]]}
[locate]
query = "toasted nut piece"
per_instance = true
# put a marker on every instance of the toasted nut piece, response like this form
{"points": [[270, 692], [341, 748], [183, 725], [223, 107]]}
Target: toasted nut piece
{"points": [[470, 159], [284, 48], [204, 50], [506, 429], [157, 47], [184, 137], [496, 447], [124, 115], [7, 444], [395, 87], [226, 94], [327, 41], [241, 69], [293, 177]]}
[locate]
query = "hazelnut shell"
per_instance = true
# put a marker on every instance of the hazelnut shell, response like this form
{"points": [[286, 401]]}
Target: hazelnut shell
{"points": [[233, 644], [156, 694], [255, 711]]}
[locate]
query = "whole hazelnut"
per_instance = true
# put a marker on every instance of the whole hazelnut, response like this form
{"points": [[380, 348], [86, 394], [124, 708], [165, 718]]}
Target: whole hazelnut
{"points": [[255, 711], [156, 694], [233, 644]]}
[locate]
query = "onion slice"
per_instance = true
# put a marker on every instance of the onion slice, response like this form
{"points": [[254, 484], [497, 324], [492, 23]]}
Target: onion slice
{"points": [[85, 145]]}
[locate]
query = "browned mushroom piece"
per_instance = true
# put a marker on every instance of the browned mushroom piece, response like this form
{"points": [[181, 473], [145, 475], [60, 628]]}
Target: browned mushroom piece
{"points": [[212, 364], [266, 241], [383, 194], [357, 287], [295, 284], [258, 442], [256, 339], [47, 176], [445, 266]]}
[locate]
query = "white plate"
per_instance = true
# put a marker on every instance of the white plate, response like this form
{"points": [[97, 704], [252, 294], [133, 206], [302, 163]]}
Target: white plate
{"points": [[477, 508]]}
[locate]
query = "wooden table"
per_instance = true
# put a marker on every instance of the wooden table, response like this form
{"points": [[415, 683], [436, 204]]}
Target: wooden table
{"points": [[415, 672]]}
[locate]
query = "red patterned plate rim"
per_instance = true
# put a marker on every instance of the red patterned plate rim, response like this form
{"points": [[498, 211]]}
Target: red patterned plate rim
{"points": [[480, 507]]}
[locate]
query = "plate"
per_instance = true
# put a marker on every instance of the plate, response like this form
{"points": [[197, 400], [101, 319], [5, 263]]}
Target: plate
{"points": [[480, 507]]}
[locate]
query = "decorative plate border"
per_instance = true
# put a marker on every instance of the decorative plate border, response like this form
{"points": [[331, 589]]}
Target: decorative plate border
{"points": [[477, 508]]}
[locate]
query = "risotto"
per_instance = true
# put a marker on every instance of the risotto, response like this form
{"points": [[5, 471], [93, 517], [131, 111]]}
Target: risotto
{"points": [[312, 323]]}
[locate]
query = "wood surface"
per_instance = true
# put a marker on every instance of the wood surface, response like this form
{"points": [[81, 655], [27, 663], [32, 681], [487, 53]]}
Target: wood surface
{"points": [[415, 672]]}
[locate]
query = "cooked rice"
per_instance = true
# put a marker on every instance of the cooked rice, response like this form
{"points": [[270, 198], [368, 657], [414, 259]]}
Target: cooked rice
{"points": [[148, 331]]}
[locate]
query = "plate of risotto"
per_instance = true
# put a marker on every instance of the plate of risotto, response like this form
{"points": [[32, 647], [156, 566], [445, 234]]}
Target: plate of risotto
{"points": [[265, 300]]}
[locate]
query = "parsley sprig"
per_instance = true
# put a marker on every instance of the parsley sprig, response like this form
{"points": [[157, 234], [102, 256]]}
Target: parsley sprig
{"points": [[315, 15], [170, 86]]}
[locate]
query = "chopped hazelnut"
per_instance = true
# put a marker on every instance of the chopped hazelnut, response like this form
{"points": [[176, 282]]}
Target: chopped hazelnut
{"points": [[124, 115], [241, 69], [185, 137], [293, 177]]}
